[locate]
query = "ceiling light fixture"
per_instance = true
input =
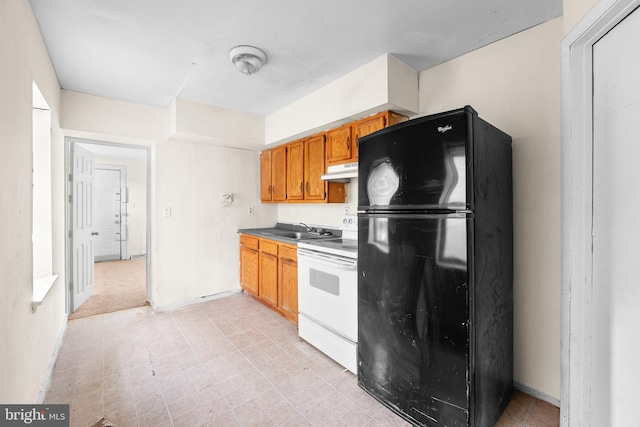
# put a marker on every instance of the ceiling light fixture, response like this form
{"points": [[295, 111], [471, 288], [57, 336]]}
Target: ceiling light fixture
{"points": [[247, 59]]}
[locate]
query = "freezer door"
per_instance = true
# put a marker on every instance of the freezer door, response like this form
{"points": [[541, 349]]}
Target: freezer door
{"points": [[419, 164], [413, 315]]}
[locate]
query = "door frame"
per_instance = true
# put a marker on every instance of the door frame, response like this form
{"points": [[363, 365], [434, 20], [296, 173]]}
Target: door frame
{"points": [[68, 162], [577, 205]]}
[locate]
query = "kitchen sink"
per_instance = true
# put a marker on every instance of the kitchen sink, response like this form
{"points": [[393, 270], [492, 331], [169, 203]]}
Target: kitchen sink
{"points": [[297, 235]]}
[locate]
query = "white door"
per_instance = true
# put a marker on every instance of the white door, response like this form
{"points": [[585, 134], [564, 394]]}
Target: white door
{"points": [[616, 227], [82, 226], [109, 219]]}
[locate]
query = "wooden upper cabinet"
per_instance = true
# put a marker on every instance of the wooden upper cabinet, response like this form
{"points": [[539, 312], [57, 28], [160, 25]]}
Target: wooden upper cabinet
{"points": [[339, 145], [279, 173], [338, 151], [314, 167], [368, 125], [291, 172], [266, 188], [295, 170], [273, 175]]}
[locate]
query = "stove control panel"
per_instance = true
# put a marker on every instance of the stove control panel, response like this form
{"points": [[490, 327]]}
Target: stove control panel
{"points": [[349, 223]]}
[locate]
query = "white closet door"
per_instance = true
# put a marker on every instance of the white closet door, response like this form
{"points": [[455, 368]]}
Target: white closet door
{"points": [[615, 371]]}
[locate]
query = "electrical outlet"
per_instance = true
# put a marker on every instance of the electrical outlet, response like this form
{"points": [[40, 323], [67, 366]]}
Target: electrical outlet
{"points": [[346, 210], [250, 210], [167, 211]]}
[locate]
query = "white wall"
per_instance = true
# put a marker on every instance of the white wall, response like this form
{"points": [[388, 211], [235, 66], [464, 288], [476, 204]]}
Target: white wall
{"points": [[197, 246], [27, 339], [515, 85], [386, 83], [313, 214], [192, 121]]}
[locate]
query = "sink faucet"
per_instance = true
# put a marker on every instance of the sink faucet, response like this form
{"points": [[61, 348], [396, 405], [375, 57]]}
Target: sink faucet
{"points": [[309, 229]]}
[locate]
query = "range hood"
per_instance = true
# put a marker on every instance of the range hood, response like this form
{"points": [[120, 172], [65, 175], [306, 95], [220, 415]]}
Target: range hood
{"points": [[341, 173]]}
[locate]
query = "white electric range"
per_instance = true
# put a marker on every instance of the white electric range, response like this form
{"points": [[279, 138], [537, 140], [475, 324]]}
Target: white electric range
{"points": [[328, 294]]}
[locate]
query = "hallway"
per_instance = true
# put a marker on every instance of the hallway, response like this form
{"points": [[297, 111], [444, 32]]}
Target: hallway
{"points": [[118, 285]]}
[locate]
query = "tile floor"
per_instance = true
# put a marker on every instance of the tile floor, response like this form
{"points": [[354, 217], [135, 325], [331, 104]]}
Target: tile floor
{"points": [[227, 362]]}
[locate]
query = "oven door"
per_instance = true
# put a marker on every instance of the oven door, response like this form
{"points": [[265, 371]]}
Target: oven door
{"points": [[328, 291]]}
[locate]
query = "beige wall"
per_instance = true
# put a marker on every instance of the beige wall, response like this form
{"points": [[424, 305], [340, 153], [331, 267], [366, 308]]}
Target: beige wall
{"points": [[515, 85], [574, 10], [27, 339]]}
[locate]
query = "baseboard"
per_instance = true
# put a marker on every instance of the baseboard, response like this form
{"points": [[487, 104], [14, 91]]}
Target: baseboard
{"points": [[194, 301], [537, 394], [46, 382]]}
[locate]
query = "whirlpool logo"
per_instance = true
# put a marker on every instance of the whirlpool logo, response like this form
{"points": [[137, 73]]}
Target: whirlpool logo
{"points": [[443, 129], [35, 415]]}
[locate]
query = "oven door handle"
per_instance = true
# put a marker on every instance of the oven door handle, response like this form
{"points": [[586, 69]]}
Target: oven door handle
{"points": [[328, 261]]}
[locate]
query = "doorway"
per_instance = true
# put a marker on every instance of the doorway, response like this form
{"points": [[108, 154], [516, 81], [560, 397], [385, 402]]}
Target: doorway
{"points": [[118, 223], [110, 212], [601, 94]]}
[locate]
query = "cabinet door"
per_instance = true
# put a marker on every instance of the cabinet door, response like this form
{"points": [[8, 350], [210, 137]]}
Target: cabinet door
{"points": [[269, 278], [266, 188], [249, 278], [295, 170], [279, 173], [288, 292], [339, 147], [314, 167], [366, 126]]}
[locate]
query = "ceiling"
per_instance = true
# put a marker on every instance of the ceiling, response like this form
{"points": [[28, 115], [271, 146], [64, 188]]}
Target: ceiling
{"points": [[152, 51]]}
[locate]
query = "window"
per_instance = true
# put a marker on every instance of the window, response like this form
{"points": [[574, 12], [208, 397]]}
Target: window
{"points": [[43, 278]]}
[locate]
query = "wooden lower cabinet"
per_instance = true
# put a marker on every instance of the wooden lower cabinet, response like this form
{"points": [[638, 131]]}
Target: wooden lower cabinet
{"points": [[288, 282], [249, 264], [269, 272], [269, 278]]}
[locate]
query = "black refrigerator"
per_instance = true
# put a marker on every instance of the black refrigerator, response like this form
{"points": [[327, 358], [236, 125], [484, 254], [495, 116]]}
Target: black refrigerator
{"points": [[435, 269]]}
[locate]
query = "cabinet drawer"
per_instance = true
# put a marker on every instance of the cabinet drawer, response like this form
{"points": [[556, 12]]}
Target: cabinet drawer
{"points": [[289, 252], [249, 241], [268, 247]]}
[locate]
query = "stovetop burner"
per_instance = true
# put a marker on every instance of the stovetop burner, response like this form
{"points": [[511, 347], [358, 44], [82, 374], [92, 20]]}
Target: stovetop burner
{"points": [[346, 246]]}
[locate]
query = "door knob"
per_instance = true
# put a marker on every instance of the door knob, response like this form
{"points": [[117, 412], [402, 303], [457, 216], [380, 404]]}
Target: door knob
{"points": [[94, 233]]}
